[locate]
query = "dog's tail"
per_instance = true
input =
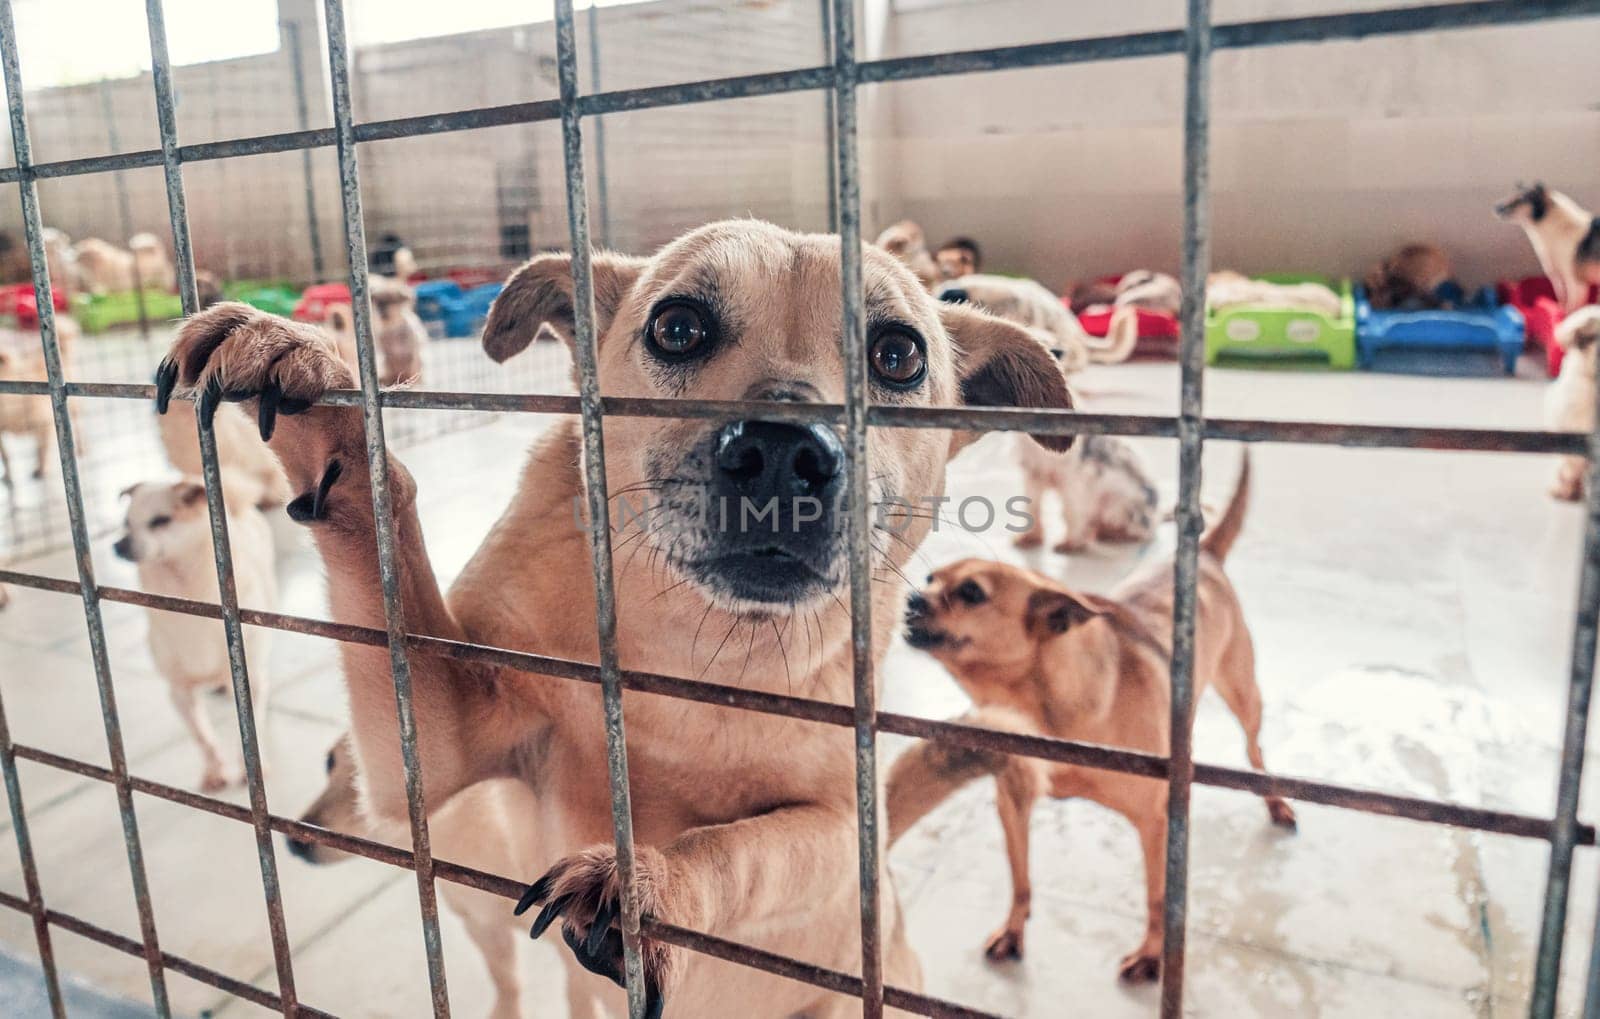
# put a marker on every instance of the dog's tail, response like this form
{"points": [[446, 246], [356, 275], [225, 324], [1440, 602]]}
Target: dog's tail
{"points": [[1219, 538], [1120, 338], [932, 771]]}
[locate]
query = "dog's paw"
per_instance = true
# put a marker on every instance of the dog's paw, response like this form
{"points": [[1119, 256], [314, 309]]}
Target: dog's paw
{"points": [[1567, 490], [1282, 814], [233, 352], [1140, 967], [1004, 945], [1029, 539], [585, 892], [1070, 546]]}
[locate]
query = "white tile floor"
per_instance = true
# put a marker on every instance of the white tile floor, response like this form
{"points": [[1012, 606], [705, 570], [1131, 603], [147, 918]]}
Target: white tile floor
{"points": [[1412, 616]]}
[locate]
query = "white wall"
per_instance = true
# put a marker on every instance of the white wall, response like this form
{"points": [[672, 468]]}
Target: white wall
{"points": [[1323, 156]]}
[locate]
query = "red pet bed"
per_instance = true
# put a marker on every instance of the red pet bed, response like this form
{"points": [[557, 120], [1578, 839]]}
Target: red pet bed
{"points": [[1158, 330], [1535, 297]]}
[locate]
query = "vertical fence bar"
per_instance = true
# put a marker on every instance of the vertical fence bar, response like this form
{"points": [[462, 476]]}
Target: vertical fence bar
{"points": [[1564, 835], [355, 238], [828, 115], [33, 230], [211, 472], [853, 341], [124, 209], [585, 348], [1196, 262], [30, 870], [302, 111], [602, 183]]}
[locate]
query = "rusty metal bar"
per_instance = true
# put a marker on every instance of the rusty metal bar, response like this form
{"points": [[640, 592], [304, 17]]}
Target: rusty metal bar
{"points": [[585, 345], [34, 904], [33, 227], [1042, 422], [1186, 567], [355, 237], [853, 344], [1580, 685], [211, 473], [302, 110]]}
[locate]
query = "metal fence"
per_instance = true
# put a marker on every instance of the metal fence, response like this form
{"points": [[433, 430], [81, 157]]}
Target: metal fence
{"points": [[842, 76]]}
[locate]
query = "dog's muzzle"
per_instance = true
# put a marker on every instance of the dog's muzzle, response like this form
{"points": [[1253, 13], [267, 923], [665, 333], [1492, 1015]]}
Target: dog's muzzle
{"points": [[774, 496], [124, 547], [919, 634]]}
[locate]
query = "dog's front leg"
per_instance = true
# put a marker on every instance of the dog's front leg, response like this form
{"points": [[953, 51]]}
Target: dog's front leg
{"points": [[277, 370], [1016, 790], [715, 878]]}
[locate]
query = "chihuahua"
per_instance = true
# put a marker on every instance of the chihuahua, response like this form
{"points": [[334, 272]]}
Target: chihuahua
{"points": [[1062, 663]]}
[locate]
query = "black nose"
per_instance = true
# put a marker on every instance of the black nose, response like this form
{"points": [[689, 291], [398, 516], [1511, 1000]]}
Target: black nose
{"points": [[954, 295], [301, 848], [763, 459], [124, 547], [916, 605]]}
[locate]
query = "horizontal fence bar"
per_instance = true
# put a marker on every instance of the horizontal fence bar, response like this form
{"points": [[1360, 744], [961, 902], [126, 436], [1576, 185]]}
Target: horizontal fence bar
{"points": [[175, 963], [1005, 419], [1240, 35], [1132, 762]]}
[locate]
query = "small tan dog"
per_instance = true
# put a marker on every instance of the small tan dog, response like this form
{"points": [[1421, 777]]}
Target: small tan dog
{"points": [[398, 335], [1565, 236], [103, 267], [1569, 403], [22, 360], [1105, 492], [487, 826], [1410, 278], [732, 838], [167, 535], [1028, 303], [151, 263], [906, 241], [248, 467], [1038, 656]]}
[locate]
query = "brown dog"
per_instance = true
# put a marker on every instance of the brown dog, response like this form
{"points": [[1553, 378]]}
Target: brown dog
{"points": [[1565, 236], [1039, 657], [1410, 278], [746, 822]]}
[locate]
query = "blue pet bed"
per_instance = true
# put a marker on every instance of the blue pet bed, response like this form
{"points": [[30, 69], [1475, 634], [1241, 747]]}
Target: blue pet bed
{"points": [[452, 312], [1476, 337]]}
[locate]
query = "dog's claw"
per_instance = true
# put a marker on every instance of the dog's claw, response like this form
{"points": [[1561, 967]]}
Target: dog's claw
{"points": [[311, 506], [654, 1003], [535, 894], [210, 397], [547, 916], [600, 924], [166, 379], [267, 410]]}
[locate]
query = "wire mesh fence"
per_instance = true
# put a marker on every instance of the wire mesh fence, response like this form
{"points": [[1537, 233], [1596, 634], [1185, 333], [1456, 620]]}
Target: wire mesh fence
{"points": [[575, 109]]}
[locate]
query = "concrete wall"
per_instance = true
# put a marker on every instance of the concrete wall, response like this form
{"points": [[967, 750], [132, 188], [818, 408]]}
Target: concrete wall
{"points": [[1324, 156]]}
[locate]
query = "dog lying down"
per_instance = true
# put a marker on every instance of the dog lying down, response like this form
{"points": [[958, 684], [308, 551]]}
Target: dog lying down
{"points": [[1028, 303], [1038, 657], [1226, 288], [733, 838]]}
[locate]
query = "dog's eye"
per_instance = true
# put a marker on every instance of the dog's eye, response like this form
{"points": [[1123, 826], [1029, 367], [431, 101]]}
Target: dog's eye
{"points": [[898, 359], [970, 593], [677, 330], [156, 522]]}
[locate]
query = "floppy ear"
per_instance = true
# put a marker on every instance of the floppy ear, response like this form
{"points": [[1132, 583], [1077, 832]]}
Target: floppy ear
{"points": [[1052, 613], [539, 295], [190, 492], [1001, 364]]}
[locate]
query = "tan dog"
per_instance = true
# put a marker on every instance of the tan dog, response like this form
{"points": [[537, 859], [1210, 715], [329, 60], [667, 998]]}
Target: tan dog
{"points": [[1569, 403], [22, 360], [732, 838], [1028, 303], [151, 263], [905, 241], [1565, 236], [487, 826], [1105, 492], [1037, 656], [398, 335], [103, 267], [167, 534], [1226, 288], [1410, 278]]}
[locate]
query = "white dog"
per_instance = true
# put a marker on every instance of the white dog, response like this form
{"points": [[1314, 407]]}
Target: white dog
{"points": [[168, 536], [1569, 403]]}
